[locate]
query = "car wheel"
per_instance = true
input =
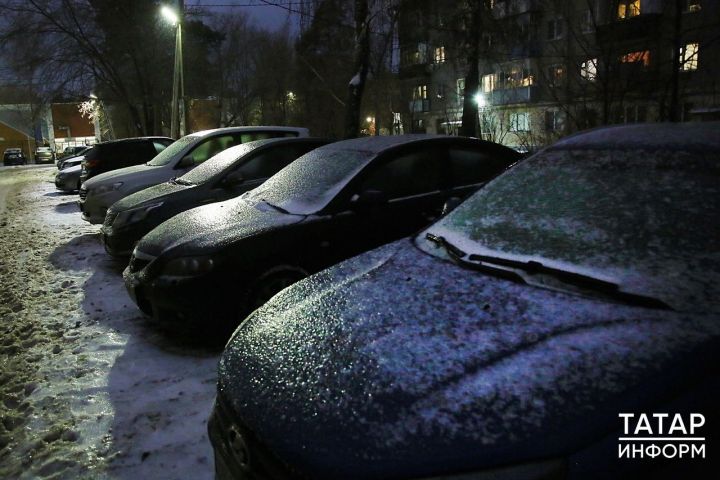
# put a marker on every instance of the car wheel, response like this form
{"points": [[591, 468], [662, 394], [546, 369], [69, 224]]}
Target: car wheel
{"points": [[273, 281]]}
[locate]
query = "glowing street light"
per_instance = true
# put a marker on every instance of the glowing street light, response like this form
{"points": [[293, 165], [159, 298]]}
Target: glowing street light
{"points": [[169, 15], [480, 100], [177, 123]]}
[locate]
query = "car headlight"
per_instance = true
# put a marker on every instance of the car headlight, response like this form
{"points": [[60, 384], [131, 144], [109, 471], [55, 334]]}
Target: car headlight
{"points": [[188, 266], [107, 188], [134, 215]]}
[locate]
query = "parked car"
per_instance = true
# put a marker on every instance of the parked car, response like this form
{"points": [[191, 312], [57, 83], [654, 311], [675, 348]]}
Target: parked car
{"points": [[114, 155], [219, 261], [73, 151], [63, 161], [14, 156], [226, 175], [68, 179], [504, 340], [44, 155], [98, 193]]}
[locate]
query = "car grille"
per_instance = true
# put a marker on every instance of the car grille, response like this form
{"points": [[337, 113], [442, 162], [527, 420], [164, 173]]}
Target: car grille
{"points": [[139, 260], [242, 452], [83, 193]]}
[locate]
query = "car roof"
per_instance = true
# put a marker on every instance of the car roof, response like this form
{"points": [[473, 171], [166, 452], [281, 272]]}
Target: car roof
{"points": [[378, 144], [261, 128], [702, 136]]}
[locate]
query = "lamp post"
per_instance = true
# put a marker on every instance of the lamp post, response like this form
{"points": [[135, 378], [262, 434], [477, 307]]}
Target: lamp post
{"points": [[482, 104], [177, 120]]}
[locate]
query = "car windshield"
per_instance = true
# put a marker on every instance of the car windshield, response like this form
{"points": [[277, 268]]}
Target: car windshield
{"points": [[218, 164], [645, 220], [309, 183], [170, 153]]}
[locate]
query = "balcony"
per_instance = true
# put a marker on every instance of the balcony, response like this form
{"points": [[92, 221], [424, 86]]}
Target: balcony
{"points": [[510, 8], [641, 27], [514, 95]]}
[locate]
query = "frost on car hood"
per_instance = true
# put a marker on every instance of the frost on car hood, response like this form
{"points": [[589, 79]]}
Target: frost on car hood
{"points": [[156, 192], [211, 227], [119, 175], [396, 363]]}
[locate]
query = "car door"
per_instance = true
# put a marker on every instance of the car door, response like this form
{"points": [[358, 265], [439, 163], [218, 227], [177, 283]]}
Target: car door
{"points": [[410, 191]]}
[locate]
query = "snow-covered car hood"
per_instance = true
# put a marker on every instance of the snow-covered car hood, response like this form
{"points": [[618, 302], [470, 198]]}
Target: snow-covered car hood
{"points": [[150, 194], [212, 227], [135, 174], [397, 364]]}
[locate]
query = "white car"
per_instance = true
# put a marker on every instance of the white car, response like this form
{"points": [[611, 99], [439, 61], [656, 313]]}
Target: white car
{"points": [[99, 193]]}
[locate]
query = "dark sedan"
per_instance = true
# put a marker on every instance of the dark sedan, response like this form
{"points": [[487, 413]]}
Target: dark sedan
{"points": [[219, 261], [506, 340], [14, 156], [226, 175]]}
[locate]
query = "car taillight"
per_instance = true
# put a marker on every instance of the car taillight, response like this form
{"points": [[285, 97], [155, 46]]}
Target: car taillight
{"points": [[91, 163]]}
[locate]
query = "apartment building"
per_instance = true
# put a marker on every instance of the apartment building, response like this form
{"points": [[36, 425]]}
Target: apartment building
{"points": [[549, 67]]}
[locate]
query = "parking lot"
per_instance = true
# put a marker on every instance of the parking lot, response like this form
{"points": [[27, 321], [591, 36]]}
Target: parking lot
{"points": [[88, 389]]}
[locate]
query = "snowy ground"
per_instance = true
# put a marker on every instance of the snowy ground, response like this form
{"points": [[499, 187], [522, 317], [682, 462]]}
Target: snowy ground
{"points": [[87, 388]]}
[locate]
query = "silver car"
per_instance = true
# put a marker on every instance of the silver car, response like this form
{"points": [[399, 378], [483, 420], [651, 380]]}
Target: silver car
{"points": [[68, 179], [99, 193]]}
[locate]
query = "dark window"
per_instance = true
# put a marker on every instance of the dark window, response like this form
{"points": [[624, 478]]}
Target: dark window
{"points": [[268, 163], [469, 167], [410, 174], [160, 146], [211, 147]]}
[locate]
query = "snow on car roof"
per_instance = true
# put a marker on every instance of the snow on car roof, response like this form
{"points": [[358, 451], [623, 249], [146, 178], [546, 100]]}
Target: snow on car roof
{"points": [[376, 144], [673, 136]]}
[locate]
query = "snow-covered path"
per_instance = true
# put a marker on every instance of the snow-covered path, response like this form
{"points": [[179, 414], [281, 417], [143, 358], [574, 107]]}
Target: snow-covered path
{"points": [[87, 388]]}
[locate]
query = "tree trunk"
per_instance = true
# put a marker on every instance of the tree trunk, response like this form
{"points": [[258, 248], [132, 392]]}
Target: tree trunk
{"points": [[361, 62], [469, 125]]}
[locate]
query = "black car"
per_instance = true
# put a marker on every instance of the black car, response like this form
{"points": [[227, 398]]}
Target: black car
{"points": [[218, 261], [226, 175], [14, 156], [106, 156], [506, 340]]}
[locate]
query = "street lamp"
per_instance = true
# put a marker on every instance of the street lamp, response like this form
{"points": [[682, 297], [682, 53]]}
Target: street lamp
{"points": [[177, 120], [482, 104]]}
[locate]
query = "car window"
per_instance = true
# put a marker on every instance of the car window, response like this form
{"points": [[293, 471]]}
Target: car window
{"points": [[409, 174], [211, 146], [469, 167], [268, 163]]}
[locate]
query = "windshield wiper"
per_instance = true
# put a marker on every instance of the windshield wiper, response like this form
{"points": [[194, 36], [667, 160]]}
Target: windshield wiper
{"points": [[581, 282], [279, 209]]}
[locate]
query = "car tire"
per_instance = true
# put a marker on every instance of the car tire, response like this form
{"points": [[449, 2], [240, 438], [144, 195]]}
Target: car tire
{"points": [[272, 282]]}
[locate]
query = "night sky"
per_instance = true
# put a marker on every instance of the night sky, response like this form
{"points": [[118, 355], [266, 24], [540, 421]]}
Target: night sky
{"points": [[264, 15]]}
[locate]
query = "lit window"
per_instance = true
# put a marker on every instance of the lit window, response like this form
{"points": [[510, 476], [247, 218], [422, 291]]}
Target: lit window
{"points": [[420, 92], [689, 57], [489, 82], [628, 8], [693, 6], [553, 121], [637, 57], [555, 29], [518, 76], [520, 122], [556, 74], [440, 55], [588, 69]]}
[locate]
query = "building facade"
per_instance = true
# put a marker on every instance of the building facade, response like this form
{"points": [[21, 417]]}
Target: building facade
{"points": [[549, 68]]}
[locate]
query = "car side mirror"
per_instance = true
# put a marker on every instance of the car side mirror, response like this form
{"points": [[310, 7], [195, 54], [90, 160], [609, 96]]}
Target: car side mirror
{"points": [[450, 204], [186, 161], [232, 179], [368, 199]]}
